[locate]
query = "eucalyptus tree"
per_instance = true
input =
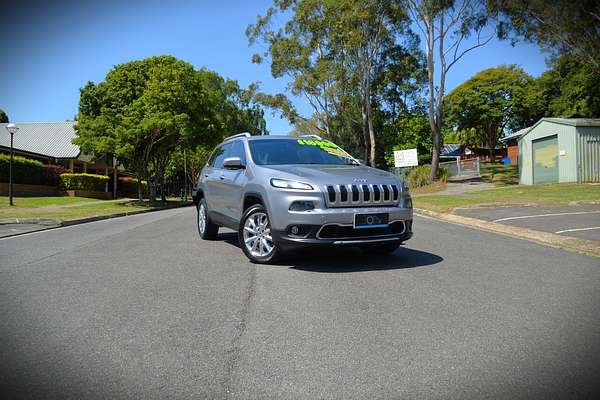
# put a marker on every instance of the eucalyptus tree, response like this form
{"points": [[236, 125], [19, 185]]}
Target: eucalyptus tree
{"points": [[445, 26], [331, 51]]}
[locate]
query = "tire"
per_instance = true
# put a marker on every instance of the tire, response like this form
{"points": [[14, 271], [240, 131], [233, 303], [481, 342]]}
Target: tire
{"points": [[255, 224], [207, 230], [384, 248]]}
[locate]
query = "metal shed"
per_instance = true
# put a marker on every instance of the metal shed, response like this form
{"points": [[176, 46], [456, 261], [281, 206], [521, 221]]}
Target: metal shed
{"points": [[560, 150]]}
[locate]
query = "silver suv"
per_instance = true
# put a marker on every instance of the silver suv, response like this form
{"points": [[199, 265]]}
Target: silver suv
{"points": [[280, 192]]}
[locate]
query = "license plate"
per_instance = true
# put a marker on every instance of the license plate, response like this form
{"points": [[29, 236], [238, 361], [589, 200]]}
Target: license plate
{"points": [[371, 220]]}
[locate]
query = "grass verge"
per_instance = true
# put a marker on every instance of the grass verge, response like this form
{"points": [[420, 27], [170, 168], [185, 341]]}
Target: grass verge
{"points": [[551, 194], [70, 208], [500, 174]]}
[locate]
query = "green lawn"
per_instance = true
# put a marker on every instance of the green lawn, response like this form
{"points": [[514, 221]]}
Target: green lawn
{"points": [[67, 208], [35, 202], [500, 174], [562, 193]]}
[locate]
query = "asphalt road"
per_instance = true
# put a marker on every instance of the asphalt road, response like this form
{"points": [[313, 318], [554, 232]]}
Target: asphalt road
{"points": [[581, 221], [139, 307]]}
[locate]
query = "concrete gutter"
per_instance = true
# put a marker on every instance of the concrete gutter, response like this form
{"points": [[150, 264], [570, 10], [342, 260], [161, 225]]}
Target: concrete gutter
{"points": [[587, 247], [46, 224]]}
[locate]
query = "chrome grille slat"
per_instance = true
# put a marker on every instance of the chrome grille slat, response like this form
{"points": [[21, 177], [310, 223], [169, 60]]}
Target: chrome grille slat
{"points": [[361, 195]]}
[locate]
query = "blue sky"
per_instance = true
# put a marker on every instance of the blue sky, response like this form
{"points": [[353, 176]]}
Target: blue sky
{"points": [[54, 49]]}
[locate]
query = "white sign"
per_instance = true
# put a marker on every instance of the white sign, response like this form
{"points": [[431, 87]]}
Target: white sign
{"points": [[405, 158]]}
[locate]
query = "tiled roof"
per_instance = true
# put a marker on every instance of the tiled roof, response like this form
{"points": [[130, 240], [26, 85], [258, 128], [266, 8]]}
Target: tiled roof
{"points": [[52, 139]]}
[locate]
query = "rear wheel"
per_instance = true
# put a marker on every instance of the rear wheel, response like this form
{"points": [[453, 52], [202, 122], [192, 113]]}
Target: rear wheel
{"points": [[255, 236], [207, 229]]}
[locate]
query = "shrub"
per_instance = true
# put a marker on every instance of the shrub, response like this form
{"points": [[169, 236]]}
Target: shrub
{"points": [[52, 173], [128, 187], [90, 182], [25, 170], [420, 176]]}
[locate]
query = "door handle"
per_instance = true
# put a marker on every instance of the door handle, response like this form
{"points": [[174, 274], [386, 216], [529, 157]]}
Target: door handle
{"points": [[206, 175], [222, 177]]}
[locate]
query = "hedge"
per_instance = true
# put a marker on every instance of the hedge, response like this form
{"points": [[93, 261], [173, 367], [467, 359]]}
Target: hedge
{"points": [[128, 188], [421, 176], [25, 170], [83, 182]]}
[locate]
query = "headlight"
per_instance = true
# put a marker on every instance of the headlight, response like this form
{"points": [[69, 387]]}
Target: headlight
{"points": [[285, 184], [406, 201], [405, 188]]}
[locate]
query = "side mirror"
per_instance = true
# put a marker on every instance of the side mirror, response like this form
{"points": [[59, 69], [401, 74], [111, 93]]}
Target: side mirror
{"points": [[233, 163]]}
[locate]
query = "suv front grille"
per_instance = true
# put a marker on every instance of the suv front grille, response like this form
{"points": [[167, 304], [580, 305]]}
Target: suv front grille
{"points": [[361, 195]]}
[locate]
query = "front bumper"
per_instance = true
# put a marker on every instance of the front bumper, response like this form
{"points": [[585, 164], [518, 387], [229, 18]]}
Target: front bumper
{"points": [[334, 226]]}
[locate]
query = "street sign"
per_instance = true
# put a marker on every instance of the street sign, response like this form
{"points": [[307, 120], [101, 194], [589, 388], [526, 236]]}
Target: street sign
{"points": [[405, 158]]}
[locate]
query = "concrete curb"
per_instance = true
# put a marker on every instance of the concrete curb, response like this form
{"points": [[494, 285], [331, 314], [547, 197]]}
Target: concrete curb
{"points": [[587, 247], [53, 224]]}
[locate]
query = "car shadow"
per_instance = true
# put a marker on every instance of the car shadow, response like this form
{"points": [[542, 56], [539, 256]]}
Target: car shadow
{"points": [[348, 259]]}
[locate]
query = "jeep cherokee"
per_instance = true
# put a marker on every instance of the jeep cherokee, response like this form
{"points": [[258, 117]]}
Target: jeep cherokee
{"points": [[280, 192]]}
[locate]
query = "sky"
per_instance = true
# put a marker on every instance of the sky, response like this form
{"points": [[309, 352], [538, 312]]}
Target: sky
{"points": [[50, 49]]}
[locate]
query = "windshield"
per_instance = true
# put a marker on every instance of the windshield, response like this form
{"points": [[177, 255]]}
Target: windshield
{"points": [[298, 151]]}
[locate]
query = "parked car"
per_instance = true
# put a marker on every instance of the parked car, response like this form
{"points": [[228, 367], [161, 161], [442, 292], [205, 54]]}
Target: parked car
{"points": [[280, 192]]}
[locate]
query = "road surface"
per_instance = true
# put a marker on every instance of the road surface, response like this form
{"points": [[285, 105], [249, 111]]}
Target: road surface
{"points": [[139, 307]]}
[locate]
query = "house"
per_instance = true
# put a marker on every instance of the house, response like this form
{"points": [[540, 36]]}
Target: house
{"points": [[51, 143], [560, 150], [453, 151], [512, 145]]}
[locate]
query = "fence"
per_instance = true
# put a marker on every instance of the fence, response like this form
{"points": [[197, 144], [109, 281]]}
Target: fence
{"points": [[463, 169]]}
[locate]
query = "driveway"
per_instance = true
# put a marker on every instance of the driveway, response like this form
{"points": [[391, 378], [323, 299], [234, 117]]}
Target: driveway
{"points": [[581, 221], [139, 307]]}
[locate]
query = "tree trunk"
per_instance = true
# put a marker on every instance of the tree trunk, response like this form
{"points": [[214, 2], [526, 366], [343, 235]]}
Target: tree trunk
{"points": [[364, 132], [371, 132], [139, 187], [435, 153]]}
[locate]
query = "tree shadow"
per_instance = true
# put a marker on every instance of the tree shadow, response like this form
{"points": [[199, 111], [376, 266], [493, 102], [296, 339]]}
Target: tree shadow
{"points": [[348, 259]]}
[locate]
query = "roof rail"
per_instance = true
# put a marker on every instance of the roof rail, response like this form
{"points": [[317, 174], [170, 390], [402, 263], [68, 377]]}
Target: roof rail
{"points": [[244, 134], [311, 136]]}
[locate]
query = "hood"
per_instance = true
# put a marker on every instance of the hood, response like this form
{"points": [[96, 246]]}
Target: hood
{"points": [[333, 174]]}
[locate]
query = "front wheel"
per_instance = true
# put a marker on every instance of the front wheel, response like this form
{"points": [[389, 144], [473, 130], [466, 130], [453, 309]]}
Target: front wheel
{"points": [[255, 236]]}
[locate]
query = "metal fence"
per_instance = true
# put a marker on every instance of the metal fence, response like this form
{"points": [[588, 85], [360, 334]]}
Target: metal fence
{"points": [[459, 169], [463, 169]]}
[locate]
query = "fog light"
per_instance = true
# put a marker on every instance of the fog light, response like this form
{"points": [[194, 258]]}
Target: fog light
{"points": [[294, 230], [302, 205]]}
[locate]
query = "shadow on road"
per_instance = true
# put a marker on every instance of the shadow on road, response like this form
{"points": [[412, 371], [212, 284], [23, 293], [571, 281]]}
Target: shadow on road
{"points": [[348, 259]]}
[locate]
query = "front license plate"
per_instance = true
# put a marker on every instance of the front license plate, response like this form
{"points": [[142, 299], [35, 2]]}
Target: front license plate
{"points": [[371, 220]]}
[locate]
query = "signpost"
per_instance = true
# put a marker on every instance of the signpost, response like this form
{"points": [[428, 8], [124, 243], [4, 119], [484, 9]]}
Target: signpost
{"points": [[405, 158]]}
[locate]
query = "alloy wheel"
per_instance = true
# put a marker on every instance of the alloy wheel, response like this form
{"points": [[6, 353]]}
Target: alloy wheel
{"points": [[201, 218], [257, 235]]}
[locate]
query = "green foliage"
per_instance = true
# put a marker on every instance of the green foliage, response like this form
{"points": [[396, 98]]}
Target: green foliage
{"points": [[560, 26], [25, 170], [409, 131], [3, 116], [421, 176], [89, 182], [145, 109], [570, 89], [491, 101]]}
